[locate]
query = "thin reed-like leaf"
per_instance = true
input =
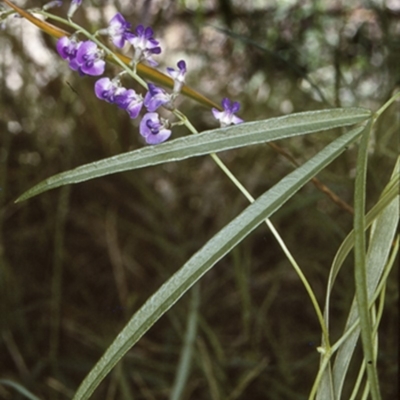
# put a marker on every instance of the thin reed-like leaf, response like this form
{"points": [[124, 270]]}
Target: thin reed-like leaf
{"points": [[19, 388], [383, 231], [389, 193], [183, 369], [360, 265]]}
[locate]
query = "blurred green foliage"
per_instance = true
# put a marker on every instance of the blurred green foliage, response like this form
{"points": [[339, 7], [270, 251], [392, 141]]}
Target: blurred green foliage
{"points": [[76, 263]]}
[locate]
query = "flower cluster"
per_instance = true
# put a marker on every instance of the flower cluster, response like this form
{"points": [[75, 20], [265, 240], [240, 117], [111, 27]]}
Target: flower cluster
{"points": [[153, 128], [88, 59]]}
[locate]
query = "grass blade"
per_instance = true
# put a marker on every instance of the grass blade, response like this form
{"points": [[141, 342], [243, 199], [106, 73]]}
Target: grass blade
{"points": [[24, 392]]}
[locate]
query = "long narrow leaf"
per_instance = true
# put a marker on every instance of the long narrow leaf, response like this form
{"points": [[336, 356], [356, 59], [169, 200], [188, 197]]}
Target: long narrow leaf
{"points": [[384, 216], [19, 388], [360, 265], [207, 257], [206, 143], [384, 230]]}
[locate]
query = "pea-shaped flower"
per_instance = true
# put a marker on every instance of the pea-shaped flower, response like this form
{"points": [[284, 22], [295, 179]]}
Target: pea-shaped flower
{"points": [[227, 117], [89, 59], [178, 76], [130, 101], [144, 44], [118, 30], [84, 57], [67, 48], [156, 97], [107, 89], [154, 129]]}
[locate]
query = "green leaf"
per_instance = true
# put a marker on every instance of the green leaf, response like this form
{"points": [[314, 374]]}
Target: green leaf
{"points": [[383, 231], [202, 261], [360, 265], [384, 216], [207, 142]]}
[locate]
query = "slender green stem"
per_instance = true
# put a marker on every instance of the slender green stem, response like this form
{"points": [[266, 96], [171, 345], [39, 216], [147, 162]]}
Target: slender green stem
{"points": [[386, 105]]}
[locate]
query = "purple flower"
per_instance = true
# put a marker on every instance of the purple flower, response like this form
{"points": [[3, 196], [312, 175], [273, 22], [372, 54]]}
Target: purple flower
{"points": [[227, 117], [144, 43], [89, 59], [67, 48], [75, 4], [112, 92], [130, 101], [106, 89], [178, 76], [84, 57], [156, 97], [118, 29], [153, 129]]}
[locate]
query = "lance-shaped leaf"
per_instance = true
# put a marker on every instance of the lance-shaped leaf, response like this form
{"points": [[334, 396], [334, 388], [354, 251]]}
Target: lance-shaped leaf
{"points": [[207, 142]]}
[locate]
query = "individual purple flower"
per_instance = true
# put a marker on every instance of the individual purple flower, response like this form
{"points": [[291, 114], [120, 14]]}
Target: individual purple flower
{"points": [[89, 59], [118, 29], [156, 97], [68, 47], [75, 4], [106, 89], [153, 129], [178, 76], [227, 117], [130, 101], [144, 43]]}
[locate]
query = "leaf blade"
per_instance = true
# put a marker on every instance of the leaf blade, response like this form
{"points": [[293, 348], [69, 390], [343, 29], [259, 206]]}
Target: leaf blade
{"points": [[205, 143]]}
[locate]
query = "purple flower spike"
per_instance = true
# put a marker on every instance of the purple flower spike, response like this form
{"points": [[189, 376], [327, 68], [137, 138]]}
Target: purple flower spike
{"points": [[118, 29], [144, 43], [89, 59], [106, 89], [227, 117], [178, 76], [156, 97], [153, 129]]}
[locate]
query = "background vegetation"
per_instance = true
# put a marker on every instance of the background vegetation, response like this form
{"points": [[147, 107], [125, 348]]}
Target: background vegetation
{"points": [[77, 262]]}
